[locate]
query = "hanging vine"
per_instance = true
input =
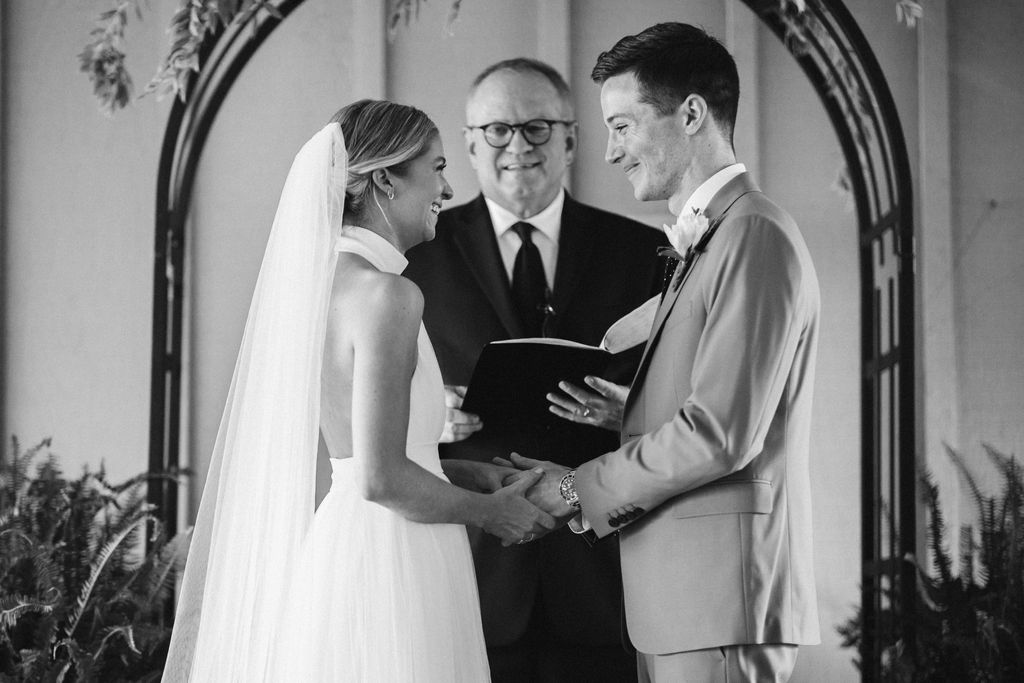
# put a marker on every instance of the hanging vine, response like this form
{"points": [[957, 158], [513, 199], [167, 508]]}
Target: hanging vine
{"points": [[103, 59]]}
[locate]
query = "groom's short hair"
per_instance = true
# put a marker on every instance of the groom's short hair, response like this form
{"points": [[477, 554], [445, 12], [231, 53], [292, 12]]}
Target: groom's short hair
{"points": [[671, 61]]}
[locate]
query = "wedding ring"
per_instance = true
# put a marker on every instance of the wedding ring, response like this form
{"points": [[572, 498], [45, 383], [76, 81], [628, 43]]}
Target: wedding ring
{"points": [[585, 412], [526, 539]]}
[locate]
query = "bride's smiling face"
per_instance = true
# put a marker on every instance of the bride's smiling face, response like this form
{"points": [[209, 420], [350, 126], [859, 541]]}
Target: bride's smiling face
{"points": [[419, 192]]}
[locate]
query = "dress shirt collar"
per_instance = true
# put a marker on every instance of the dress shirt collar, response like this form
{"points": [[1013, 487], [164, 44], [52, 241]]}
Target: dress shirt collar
{"points": [[709, 188], [548, 221]]}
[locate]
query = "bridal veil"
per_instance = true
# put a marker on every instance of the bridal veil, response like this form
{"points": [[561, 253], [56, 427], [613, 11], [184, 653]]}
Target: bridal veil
{"points": [[258, 501]]}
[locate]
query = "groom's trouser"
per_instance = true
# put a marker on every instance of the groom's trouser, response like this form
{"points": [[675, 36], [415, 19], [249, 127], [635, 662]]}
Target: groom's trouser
{"points": [[730, 664]]}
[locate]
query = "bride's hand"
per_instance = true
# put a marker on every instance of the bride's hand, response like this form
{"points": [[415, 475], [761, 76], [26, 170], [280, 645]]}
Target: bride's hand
{"points": [[514, 519]]}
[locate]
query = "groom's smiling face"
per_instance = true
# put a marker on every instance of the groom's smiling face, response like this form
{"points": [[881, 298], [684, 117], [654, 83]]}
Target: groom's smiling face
{"points": [[651, 148]]}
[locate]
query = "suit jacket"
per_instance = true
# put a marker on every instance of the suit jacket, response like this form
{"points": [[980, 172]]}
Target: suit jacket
{"points": [[607, 266], [715, 445]]}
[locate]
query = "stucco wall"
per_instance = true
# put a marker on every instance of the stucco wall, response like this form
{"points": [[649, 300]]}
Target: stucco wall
{"points": [[987, 108], [78, 239]]}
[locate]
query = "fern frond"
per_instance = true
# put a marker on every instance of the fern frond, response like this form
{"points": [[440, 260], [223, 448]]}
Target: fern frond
{"points": [[936, 527], [12, 607], [967, 551], [170, 563], [124, 632], [96, 567], [967, 477], [83, 661]]}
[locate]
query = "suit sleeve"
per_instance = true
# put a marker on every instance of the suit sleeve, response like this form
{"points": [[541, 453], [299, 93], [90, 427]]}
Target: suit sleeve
{"points": [[753, 291]]}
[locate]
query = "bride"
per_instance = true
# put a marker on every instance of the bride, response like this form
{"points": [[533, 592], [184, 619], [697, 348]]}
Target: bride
{"points": [[378, 584]]}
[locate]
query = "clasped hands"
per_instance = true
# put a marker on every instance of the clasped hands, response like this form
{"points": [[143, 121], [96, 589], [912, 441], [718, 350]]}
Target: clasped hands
{"points": [[538, 481]]}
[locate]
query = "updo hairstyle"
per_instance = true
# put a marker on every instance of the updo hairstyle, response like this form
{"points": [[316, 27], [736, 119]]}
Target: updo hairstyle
{"points": [[379, 135]]}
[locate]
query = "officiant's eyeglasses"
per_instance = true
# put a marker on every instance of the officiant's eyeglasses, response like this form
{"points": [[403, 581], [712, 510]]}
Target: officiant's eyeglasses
{"points": [[536, 131]]}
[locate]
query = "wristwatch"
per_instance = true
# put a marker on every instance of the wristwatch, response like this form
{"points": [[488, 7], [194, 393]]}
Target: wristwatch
{"points": [[567, 489]]}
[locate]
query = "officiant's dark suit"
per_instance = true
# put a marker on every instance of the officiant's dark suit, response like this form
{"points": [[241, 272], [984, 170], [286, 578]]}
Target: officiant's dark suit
{"points": [[551, 608]]}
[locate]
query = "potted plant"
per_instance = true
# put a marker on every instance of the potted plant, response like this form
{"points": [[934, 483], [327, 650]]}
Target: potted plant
{"points": [[80, 599], [967, 626]]}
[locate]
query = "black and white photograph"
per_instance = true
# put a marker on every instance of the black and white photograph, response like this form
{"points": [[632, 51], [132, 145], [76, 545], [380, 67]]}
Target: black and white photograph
{"points": [[521, 341]]}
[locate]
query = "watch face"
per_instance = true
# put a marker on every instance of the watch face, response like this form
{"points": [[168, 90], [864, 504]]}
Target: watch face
{"points": [[567, 489]]}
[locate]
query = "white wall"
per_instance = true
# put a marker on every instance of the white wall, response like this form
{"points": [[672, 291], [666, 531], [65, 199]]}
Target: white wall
{"points": [[987, 108], [78, 237]]}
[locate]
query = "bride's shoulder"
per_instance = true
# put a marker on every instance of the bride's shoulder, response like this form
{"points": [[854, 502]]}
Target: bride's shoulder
{"points": [[377, 298]]}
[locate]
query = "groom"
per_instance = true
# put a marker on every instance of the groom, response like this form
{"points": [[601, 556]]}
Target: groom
{"points": [[709, 492]]}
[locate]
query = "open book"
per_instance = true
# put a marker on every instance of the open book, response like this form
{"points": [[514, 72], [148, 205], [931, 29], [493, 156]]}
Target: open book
{"points": [[512, 377]]}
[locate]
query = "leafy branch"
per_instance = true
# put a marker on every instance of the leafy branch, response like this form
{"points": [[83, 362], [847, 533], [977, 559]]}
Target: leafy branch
{"points": [[194, 22], [103, 59]]}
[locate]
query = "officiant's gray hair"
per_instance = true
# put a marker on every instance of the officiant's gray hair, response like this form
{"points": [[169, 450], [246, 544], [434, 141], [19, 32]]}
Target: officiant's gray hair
{"points": [[526, 65], [380, 135]]}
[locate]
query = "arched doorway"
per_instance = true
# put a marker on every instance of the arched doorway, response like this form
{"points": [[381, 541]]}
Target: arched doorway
{"points": [[832, 52]]}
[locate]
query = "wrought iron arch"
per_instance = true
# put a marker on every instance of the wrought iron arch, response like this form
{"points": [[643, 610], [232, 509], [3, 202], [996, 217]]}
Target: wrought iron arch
{"points": [[835, 56]]}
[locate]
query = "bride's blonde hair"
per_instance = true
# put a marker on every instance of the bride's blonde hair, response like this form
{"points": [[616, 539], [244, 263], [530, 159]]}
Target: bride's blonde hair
{"points": [[379, 135]]}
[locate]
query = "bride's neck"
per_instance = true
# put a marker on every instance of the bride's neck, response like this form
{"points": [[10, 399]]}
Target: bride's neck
{"points": [[375, 224]]}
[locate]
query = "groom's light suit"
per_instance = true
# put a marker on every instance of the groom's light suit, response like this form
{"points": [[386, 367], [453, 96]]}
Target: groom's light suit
{"points": [[714, 453]]}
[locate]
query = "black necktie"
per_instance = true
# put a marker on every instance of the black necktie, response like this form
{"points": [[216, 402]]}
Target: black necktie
{"points": [[529, 286]]}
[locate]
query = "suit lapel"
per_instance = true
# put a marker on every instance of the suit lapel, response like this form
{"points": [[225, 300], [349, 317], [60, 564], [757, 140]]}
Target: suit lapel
{"points": [[476, 243], [575, 247], [715, 211]]}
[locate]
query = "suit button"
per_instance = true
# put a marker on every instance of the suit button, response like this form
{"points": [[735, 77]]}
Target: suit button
{"points": [[614, 522]]}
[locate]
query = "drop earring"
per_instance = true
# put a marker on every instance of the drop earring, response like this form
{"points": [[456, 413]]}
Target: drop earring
{"points": [[381, 208], [391, 193]]}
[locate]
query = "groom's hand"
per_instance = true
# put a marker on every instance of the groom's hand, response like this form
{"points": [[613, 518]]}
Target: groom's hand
{"points": [[545, 492]]}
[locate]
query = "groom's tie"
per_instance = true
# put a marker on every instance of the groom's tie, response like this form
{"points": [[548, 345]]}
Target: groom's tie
{"points": [[529, 286]]}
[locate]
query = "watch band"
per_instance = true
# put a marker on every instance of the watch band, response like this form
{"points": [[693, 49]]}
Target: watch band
{"points": [[567, 489]]}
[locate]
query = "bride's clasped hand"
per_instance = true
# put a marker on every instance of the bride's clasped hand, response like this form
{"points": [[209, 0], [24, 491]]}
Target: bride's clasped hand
{"points": [[512, 517]]}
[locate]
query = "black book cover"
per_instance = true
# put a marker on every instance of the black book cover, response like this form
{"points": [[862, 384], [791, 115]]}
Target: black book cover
{"points": [[510, 385]]}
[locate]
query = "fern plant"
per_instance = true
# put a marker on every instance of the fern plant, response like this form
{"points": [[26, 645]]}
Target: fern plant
{"points": [[968, 626], [79, 599]]}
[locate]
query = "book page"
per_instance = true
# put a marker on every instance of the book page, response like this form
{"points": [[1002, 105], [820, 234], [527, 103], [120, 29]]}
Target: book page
{"points": [[633, 328], [548, 341]]}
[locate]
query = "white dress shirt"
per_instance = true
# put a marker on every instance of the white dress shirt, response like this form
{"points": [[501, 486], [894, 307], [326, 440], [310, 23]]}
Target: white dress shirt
{"points": [[709, 188], [549, 226]]}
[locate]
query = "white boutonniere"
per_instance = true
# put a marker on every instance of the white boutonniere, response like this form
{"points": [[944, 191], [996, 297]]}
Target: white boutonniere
{"points": [[688, 229]]}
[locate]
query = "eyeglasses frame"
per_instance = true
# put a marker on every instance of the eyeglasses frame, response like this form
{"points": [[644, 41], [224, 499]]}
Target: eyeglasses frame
{"points": [[521, 127]]}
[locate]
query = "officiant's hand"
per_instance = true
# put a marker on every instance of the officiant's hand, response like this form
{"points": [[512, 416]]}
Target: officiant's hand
{"points": [[544, 493], [458, 425], [601, 407], [514, 519]]}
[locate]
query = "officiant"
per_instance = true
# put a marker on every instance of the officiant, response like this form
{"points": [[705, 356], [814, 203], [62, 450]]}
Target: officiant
{"points": [[525, 259]]}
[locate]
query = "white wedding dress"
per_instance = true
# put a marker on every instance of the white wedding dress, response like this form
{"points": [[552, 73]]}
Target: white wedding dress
{"points": [[386, 599]]}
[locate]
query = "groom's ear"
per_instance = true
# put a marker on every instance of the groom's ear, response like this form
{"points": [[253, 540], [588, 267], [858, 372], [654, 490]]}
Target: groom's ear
{"points": [[693, 112]]}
